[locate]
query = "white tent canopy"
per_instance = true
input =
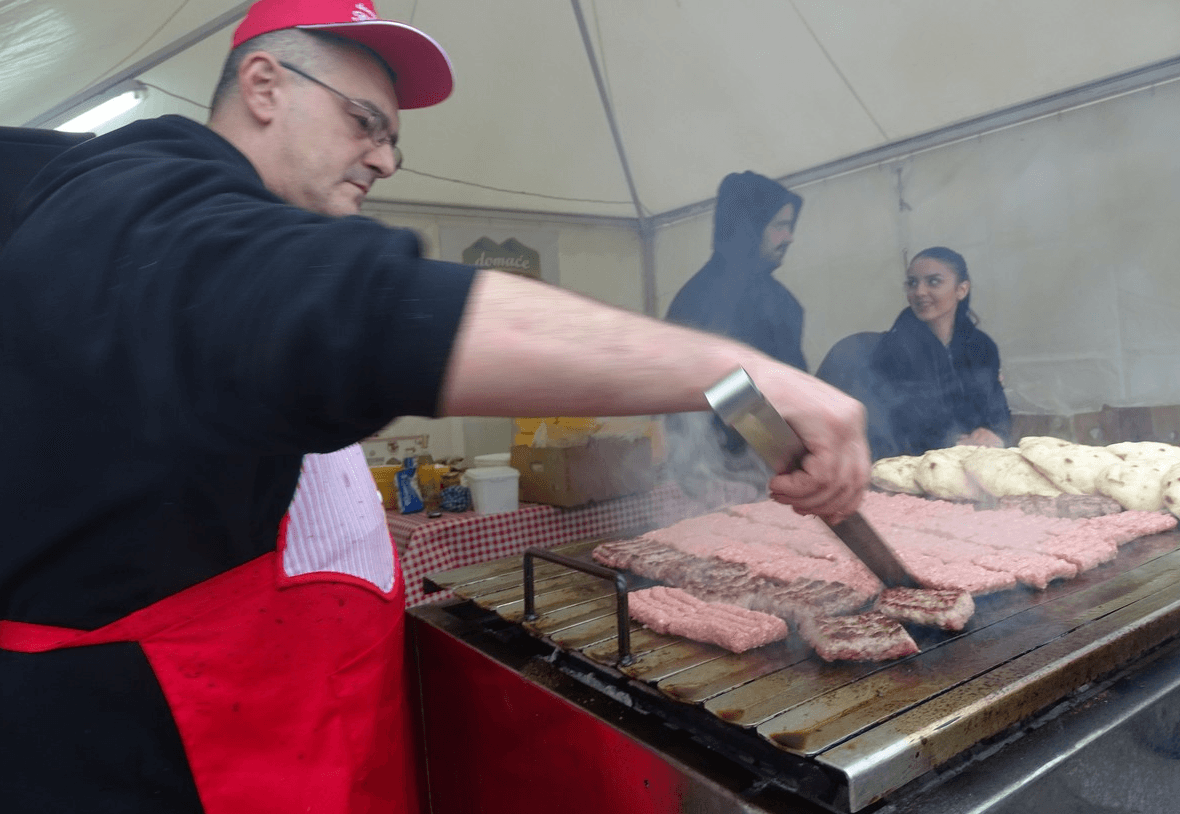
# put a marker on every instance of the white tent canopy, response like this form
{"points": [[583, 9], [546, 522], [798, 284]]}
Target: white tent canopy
{"points": [[695, 88]]}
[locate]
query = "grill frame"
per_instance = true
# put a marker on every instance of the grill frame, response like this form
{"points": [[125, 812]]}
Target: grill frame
{"points": [[1105, 619]]}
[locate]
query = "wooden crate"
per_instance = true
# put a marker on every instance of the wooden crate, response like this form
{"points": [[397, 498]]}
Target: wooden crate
{"points": [[1109, 425]]}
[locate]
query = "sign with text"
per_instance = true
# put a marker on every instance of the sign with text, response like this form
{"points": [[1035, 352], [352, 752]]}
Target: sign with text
{"points": [[511, 255], [515, 248]]}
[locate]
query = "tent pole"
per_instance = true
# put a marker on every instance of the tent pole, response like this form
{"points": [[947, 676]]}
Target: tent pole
{"points": [[645, 233], [647, 244]]}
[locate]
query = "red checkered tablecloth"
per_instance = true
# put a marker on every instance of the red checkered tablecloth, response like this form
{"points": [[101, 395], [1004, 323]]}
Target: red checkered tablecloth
{"points": [[426, 546]]}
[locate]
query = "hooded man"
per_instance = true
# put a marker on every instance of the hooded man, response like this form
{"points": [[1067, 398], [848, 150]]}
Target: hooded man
{"points": [[736, 294]]}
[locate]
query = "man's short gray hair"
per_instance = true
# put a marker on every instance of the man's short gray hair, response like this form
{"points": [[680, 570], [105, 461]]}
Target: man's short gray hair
{"points": [[314, 51]]}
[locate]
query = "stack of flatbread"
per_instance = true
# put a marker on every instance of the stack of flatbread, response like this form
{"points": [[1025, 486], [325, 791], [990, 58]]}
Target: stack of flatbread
{"points": [[941, 473], [1073, 468], [897, 474], [1138, 475], [1007, 473], [1140, 450], [1170, 485], [1136, 485], [1140, 479]]}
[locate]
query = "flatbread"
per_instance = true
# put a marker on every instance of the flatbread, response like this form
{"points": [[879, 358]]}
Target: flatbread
{"points": [[1137, 485], [940, 474], [962, 451], [1170, 490], [1038, 440], [1144, 450], [1006, 473], [896, 474], [1072, 468]]}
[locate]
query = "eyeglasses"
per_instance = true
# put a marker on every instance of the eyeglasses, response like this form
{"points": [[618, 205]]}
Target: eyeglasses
{"points": [[375, 123]]}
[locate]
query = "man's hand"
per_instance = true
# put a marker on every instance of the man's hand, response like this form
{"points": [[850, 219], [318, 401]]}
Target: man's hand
{"points": [[835, 472], [981, 437]]}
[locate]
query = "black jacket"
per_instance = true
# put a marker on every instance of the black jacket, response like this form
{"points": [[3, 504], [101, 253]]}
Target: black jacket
{"points": [[930, 393], [735, 293], [173, 338]]}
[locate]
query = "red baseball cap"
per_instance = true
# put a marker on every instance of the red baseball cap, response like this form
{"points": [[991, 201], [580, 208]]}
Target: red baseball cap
{"points": [[423, 70]]}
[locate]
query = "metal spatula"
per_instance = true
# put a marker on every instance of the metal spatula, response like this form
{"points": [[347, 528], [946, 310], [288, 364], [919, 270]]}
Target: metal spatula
{"points": [[742, 406]]}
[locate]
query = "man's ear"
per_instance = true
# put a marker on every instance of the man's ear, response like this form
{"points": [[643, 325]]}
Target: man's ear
{"points": [[260, 85]]}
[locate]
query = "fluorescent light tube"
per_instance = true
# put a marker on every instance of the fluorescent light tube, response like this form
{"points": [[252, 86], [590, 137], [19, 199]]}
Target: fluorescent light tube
{"points": [[99, 115]]}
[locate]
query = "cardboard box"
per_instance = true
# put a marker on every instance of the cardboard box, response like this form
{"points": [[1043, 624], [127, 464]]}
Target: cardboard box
{"points": [[571, 476]]}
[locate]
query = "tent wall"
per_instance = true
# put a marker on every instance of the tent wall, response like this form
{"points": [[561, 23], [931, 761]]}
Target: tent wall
{"points": [[1069, 227], [1068, 223], [596, 257]]}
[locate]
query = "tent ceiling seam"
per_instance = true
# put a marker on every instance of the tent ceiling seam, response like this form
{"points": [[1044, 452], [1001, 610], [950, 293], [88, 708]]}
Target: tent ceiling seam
{"points": [[602, 50], [835, 67], [150, 37], [608, 109], [477, 185], [147, 63], [646, 236], [417, 208], [167, 92]]}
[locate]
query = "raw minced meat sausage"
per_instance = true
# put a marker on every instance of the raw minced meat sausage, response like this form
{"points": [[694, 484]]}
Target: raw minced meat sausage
{"points": [[764, 557], [671, 610]]}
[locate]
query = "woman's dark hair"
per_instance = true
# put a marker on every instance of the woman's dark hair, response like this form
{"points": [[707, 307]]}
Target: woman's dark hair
{"points": [[955, 261]]}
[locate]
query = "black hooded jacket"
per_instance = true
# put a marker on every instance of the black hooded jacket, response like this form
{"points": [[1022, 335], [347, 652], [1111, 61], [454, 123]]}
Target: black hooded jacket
{"points": [[735, 293], [930, 393], [173, 339]]}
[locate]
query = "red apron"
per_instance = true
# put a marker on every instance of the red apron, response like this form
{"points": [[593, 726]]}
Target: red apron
{"points": [[288, 691]]}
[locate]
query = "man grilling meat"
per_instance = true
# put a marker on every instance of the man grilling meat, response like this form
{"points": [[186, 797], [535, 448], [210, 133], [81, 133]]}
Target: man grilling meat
{"points": [[207, 615], [737, 295]]}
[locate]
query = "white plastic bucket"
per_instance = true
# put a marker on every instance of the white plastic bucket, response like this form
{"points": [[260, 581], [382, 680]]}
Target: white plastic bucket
{"points": [[494, 489]]}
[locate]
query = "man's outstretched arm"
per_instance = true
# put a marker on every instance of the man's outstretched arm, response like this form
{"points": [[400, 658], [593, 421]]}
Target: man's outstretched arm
{"points": [[526, 348]]}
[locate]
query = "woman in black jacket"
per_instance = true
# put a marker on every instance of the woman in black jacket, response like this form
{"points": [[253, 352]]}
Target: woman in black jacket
{"points": [[938, 375]]}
